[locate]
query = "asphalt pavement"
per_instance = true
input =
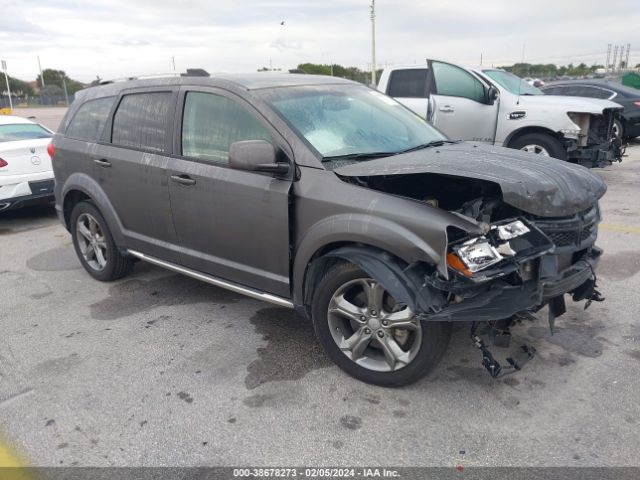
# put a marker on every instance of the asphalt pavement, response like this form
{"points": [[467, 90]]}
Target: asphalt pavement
{"points": [[160, 369]]}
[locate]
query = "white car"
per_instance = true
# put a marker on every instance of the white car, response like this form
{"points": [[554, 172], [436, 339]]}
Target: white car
{"points": [[494, 106], [26, 175]]}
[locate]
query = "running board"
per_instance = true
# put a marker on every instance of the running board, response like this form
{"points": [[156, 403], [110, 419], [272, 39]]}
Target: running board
{"points": [[234, 287]]}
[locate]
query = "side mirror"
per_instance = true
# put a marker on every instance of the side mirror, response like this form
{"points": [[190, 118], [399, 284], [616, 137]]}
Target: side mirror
{"points": [[492, 94], [255, 156]]}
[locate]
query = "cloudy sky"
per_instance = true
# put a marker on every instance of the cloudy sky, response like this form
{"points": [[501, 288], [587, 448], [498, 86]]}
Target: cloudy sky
{"points": [[116, 38]]}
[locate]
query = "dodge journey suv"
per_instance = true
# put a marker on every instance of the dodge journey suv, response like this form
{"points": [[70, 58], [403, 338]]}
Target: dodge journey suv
{"points": [[323, 195]]}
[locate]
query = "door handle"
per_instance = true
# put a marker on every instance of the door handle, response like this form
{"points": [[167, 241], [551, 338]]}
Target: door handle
{"points": [[183, 179], [447, 109], [101, 162]]}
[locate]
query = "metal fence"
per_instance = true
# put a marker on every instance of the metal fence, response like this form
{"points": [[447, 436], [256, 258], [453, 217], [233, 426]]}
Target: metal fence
{"points": [[36, 100]]}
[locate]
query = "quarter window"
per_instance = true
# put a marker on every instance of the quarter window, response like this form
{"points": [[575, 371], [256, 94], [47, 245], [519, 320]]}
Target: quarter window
{"points": [[211, 123], [141, 121], [410, 83], [88, 122], [456, 82]]}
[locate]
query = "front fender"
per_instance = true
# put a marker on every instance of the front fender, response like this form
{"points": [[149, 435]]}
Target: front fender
{"points": [[363, 229], [405, 284], [87, 185]]}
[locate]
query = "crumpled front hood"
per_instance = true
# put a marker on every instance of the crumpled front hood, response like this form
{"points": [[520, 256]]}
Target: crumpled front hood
{"points": [[536, 184]]}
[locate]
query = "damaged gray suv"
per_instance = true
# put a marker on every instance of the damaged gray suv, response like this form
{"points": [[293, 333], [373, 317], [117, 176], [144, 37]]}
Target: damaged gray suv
{"points": [[323, 195]]}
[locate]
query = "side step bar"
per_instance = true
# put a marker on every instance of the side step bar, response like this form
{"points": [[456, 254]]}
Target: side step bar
{"points": [[234, 287]]}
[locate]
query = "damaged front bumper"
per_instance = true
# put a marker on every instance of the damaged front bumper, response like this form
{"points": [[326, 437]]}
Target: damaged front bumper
{"points": [[524, 285], [596, 155]]}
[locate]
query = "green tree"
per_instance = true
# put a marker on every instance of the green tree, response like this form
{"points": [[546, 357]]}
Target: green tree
{"points": [[51, 90], [18, 87], [58, 78], [350, 73]]}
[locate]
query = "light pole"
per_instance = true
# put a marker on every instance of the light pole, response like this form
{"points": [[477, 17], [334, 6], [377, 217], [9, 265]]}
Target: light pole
{"points": [[41, 76], [6, 78], [373, 43]]}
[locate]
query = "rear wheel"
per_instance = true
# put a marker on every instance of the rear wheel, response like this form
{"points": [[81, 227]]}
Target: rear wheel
{"points": [[370, 336], [94, 244], [540, 143]]}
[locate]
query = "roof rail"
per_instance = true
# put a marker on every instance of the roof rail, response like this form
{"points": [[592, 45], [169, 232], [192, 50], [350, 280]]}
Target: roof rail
{"points": [[137, 77], [191, 72]]}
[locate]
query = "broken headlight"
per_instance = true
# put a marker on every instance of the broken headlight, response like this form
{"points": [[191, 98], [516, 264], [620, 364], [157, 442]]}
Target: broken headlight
{"points": [[511, 230], [477, 254], [482, 252]]}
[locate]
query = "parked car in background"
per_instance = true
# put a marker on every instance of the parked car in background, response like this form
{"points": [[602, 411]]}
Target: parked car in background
{"points": [[323, 195], [494, 106], [627, 124], [534, 82], [26, 176]]}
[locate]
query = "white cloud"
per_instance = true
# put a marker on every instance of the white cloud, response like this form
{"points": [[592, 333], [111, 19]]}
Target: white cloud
{"points": [[116, 38]]}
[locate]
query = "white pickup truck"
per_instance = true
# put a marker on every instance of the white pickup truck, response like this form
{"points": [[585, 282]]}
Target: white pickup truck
{"points": [[494, 106]]}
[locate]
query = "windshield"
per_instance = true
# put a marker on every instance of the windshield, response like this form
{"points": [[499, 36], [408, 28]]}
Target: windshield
{"points": [[22, 131], [512, 83], [350, 120]]}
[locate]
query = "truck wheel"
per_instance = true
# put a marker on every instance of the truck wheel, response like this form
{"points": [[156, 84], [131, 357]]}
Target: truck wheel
{"points": [[540, 143], [368, 335], [618, 129], [94, 244]]}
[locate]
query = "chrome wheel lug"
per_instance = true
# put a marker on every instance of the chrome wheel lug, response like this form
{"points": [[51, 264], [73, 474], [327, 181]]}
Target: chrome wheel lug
{"points": [[380, 333], [385, 322], [374, 313], [367, 331], [363, 318]]}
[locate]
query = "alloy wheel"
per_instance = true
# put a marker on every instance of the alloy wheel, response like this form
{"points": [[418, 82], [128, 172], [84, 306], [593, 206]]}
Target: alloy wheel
{"points": [[371, 329], [91, 241], [536, 149]]}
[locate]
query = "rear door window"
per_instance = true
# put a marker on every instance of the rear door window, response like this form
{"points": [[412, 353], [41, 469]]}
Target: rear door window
{"points": [[88, 122], [456, 82], [595, 92], [211, 123], [409, 83], [142, 121]]}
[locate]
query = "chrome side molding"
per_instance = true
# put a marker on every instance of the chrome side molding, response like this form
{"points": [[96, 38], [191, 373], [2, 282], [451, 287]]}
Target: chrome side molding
{"points": [[249, 292]]}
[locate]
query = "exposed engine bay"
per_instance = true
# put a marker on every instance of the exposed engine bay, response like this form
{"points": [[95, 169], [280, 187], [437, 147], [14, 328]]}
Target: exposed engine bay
{"points": [[522, 263]]}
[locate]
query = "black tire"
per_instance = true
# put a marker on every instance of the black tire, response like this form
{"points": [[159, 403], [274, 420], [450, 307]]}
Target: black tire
{"points": [[435, 335], [619, 127], [117, 265], [551, 144]]}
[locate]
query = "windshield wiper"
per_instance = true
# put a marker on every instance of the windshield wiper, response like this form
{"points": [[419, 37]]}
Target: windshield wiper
{"points": [[370, 155], [432, 143], [359, 156]]}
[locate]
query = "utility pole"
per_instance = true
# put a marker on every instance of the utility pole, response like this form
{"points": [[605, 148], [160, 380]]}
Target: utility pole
{"points": [[41, 76], [608, 64], [66, 94], [6, 78], [615, 59], [480, 58], [373, 43], [626, 63], [173, 60]]}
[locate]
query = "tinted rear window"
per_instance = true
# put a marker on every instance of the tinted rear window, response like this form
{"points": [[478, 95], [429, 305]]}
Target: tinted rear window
{"points": [[88, 122], [22, 131], [141, 121], [410, 83]]}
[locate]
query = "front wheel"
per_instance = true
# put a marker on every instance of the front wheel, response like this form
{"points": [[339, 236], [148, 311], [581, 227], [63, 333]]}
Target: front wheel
{"points": [[370, 336], [540, 143], [618, 129]]}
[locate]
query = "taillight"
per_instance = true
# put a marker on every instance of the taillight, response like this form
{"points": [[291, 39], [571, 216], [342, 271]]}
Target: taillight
{"points": [[3, 163], [637, 104], [51, 150]]}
